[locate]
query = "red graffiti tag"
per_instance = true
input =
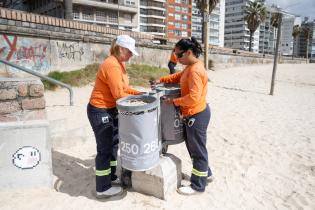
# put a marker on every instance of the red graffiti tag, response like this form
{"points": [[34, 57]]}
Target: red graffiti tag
{"points": [[12, 46]]}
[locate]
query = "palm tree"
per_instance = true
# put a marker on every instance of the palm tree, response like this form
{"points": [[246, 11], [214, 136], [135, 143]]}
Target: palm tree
{"points": [[295, 32], [206, 7], [255, 14], [307, 33], [276, 21]]}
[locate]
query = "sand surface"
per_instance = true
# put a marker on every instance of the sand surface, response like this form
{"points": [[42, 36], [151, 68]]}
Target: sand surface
{"points": [[261, 148]]}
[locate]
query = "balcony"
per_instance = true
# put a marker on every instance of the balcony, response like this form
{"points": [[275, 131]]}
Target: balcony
{"points": [[107, 5]]}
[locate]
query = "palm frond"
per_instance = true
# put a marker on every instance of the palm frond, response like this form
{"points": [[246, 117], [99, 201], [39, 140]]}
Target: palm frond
{"points": [[276, 19], [202, 4], [255, 14]]}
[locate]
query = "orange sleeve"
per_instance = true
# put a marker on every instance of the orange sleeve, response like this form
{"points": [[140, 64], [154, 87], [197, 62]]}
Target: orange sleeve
{"points": [[115, 83], [132, 91], [195, 91], [173, 78]]}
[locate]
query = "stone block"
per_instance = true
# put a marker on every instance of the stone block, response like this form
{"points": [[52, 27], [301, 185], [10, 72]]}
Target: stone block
{"points": [[9, 16], [36, 90], [28, 17], [18, 16], [9, 107], [25, 155], [11, 22], [6, 94], [33, 103], [25, 24], [161, 181], [3, 13]]}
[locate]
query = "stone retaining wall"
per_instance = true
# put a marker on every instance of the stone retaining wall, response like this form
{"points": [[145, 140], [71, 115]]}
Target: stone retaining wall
{"points": [[21, 99]]}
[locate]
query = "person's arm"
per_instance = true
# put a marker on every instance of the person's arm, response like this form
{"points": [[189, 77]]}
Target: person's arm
{"points": [[132, 91], [173, 78], [195, 90]]}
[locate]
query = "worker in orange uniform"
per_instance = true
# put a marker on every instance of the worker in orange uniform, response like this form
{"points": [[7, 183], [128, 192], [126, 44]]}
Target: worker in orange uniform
{"points": [[193, 82], [172, 62], [111, 84]]}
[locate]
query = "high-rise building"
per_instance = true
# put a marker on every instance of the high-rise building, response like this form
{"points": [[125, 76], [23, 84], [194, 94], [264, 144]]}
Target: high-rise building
{"points": [[267, 34], [302, 43], [178, 18], [236, 33], [216, 24], [286, 41], [153, 17]]}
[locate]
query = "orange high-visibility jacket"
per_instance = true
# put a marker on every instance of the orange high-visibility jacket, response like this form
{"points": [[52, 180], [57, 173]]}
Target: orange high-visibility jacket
{"points": [[194, 86], [111, 84]]}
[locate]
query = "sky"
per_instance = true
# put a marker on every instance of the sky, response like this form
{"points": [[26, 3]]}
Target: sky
{"points": [[303, 8]]}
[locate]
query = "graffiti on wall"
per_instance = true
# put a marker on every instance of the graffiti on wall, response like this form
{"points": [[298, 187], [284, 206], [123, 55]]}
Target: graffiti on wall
{"points": [[31, 54], [71, 51]]}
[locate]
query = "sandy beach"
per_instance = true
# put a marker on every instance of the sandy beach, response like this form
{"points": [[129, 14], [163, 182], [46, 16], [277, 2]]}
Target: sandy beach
{"points": [[261, 148]]}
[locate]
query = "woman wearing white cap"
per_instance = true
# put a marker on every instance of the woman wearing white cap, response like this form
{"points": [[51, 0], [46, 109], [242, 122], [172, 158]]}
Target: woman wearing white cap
{"points": [[111, 84]]}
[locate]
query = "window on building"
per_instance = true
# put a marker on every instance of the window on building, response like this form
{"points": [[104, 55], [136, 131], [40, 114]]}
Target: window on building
{"points": [[177, 25], [177, 17], [112, 17], [127, 18], [130, 2], [184, 26], [177, 32], [100, 16], [76, 13], [177, 9], [87, 14]]}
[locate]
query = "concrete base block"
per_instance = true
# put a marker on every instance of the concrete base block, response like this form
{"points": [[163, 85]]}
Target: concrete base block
{"points": [[160, 181], [25, 155]]}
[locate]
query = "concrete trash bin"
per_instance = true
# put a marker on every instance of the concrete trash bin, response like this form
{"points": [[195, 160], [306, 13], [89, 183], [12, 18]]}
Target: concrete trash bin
{"points": [[138, 132]]}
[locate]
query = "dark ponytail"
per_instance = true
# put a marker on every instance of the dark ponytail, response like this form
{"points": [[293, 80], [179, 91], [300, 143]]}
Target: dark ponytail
{"points": [[190, 44]]}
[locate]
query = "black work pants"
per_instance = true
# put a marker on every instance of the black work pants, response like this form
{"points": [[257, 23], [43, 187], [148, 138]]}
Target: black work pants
{"points": [[104, 123], [196, 130]]}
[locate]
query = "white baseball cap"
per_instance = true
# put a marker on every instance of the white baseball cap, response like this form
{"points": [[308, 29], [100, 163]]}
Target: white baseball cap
{"points": [[127, 42]]}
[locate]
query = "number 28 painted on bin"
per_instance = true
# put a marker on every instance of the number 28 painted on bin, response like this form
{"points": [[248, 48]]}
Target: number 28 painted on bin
{"points": [[134, 148]]}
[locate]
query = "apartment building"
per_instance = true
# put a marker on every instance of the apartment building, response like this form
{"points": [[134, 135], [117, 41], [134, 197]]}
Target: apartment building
{"points": [[301, 41], [122, 14], [153, 17], [267, 33], [286, 41], [178, 23], [236, 31], [216, 24]]}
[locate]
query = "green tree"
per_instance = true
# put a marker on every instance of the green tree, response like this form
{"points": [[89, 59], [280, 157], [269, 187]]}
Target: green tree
{"points": [[295, 32], [255, 15], [308, 34], [276, 21], [206, 7]]}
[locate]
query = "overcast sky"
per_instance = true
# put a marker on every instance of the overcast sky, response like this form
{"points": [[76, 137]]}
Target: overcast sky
{"points": [[299, 7]]}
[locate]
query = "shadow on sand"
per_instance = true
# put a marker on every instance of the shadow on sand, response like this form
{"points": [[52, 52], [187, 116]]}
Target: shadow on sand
{"points": [[76, 177], [241, 90]]}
